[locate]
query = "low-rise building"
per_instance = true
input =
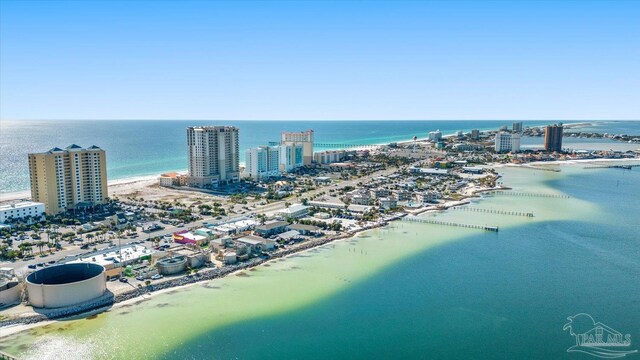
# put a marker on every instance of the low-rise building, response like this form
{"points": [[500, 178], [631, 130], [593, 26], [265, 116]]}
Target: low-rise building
{"points": [[20, 211], [388, 203], [294, 211], [271, 228], [303, 229], [426, 197], [187, 237]]}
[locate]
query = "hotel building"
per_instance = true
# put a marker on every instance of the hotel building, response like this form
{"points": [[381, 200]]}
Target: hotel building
{"points": [[213, 155], [67, 179], [267, 161], [507, 142], [553, 138], [304, 138]]}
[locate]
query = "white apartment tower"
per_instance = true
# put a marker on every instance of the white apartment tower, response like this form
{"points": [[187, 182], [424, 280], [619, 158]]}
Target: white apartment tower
{"points": [[267, 161], [213, 155], [305, 139], [507, 142]]}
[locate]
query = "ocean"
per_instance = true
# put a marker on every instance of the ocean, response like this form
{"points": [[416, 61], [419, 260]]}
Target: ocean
{"points": [[408, 290], [144, 148]]}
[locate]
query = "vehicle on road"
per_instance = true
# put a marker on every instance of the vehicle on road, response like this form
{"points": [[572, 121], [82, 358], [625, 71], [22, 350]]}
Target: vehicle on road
{"points": [[156, 277], [31, 266], [124, 279]]}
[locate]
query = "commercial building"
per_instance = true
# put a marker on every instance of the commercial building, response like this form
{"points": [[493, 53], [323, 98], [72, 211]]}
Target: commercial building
{"points": [[66, 285], [268, 161], [21, 210], [553, 138], [507, 142], [271, 228], [172, 179], [66, 179], [304, 138], [213, 155], [294, 211]]}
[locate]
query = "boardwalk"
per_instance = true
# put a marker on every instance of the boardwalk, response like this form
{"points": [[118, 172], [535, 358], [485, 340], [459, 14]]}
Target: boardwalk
{"points": [[448, 223]]}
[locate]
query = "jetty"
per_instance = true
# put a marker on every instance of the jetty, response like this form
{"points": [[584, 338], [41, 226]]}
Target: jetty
{"points": [[494, 211], [449, 223]]}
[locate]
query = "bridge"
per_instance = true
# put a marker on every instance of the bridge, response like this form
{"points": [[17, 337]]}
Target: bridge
{"points": [[448, 223], [494, 211]]}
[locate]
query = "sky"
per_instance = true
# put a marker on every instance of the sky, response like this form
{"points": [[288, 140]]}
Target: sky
{"points": [[314, 60]]}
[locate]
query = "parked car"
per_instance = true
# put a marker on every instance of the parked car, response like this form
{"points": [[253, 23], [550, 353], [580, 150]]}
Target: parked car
{"points": [[124, 279], [156, 277], [31, 266]]}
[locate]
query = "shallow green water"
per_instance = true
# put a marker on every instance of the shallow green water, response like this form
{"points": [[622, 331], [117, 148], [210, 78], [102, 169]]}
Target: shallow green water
{"points": [[408, 290]]}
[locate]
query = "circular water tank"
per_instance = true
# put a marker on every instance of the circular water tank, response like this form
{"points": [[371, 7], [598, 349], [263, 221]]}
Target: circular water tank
{"points": [[66, 285]]}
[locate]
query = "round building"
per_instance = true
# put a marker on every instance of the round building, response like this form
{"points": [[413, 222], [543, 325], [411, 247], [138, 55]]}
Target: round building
{"points": [[172, 265], [66, 285]]}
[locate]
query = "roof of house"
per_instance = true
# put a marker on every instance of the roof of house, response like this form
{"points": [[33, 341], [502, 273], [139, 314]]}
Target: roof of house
{"points": [[272, 225], [302, 227]]}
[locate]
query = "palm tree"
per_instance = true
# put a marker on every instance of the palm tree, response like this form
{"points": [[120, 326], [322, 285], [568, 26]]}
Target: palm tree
{"points": [[90, 237], [40, 245]]}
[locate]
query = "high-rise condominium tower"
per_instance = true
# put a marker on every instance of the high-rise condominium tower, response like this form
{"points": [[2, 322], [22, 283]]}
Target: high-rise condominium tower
{"points": [[69, 179], [553, 138], [304, 138], [213, 155]]}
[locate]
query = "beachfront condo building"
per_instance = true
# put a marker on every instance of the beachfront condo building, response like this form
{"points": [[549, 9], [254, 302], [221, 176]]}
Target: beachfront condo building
{"points": [[506, 142], [304, 138], [213, 155], [68, 179], [516, 127], [267, 161], [553, 138], [435, 136]]}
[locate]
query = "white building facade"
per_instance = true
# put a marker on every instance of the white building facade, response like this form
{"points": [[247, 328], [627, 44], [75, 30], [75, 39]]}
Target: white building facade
{"points": [[22, 210], [435, 136], [506, 142], [268, 161]]}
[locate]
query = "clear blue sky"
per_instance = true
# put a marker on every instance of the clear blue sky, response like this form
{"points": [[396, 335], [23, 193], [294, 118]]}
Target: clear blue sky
{"points": [[319, 60]]}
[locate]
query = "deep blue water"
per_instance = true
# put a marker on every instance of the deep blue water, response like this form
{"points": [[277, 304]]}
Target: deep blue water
{"points": [[497, 296], [138, 148]]}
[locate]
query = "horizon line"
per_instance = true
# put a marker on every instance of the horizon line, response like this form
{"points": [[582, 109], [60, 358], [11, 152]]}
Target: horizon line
{"points": [[145, 119]]}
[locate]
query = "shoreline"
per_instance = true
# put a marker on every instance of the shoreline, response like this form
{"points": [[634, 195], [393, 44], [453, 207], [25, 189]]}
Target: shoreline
{"points": [[21, 323]]}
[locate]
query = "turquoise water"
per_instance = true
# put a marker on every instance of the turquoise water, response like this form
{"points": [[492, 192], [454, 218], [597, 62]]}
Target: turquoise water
{"points": [[405, 291], [139, 148]]}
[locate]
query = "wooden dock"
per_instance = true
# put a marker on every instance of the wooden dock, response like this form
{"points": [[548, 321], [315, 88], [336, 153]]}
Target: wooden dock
{"points": [[528, 194], [448, 223], [494, 211]]}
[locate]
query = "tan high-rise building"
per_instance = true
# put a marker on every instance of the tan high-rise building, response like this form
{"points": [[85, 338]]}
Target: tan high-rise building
{"points": [[68, 179], [553, 138], [213, 155], [305, 139]]}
